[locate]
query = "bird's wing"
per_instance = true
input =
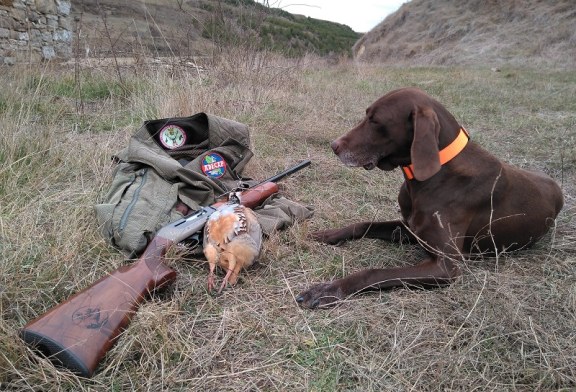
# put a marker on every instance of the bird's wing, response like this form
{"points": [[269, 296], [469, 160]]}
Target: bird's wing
{"points": [[225, 224], [253, 227]]}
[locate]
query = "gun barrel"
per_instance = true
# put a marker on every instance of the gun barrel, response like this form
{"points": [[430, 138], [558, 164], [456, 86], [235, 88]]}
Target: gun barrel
{"points": [[289, 171]]}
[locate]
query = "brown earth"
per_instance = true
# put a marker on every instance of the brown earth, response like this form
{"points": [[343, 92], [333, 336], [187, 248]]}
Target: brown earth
{"points": [[139, 28]]}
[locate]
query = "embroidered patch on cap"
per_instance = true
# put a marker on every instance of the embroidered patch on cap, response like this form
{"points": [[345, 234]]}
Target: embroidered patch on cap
{"points": [[172, 136], [213, 165]]}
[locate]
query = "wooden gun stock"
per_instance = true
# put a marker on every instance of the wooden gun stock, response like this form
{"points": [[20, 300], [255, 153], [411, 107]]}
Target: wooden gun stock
{"points": [[77, 333]]}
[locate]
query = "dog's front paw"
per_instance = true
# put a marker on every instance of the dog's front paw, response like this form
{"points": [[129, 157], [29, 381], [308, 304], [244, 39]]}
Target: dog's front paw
{"points": [[332, 237], [321, 295]]}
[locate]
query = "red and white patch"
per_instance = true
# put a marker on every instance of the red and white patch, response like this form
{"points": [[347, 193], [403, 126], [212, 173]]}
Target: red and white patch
{"points": [[213, 165]]}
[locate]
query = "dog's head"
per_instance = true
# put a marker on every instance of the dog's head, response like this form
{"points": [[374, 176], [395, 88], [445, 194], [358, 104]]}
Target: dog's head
{"points": [[403, 127]]}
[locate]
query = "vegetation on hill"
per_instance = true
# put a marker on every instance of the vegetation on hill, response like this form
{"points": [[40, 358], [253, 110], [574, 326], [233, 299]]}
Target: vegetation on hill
{"points": [[184, 28], [276, 29], [471, 32]]}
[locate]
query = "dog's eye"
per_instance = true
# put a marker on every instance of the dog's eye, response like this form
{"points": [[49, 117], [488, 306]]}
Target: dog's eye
{"points": [[371, 119]]}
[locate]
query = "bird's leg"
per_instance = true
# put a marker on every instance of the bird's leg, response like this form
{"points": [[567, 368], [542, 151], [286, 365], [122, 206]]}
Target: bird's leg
{"points": [[211, 278], [234, 277], [231, 265], [212, 257]]}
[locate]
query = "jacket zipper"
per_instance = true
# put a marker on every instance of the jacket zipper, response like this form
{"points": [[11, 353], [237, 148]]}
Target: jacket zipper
{"points": [[128, 210]]}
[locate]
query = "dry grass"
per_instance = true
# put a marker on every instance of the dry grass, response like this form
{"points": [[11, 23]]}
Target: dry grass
{"points": [[507, 324], [472, 32]]}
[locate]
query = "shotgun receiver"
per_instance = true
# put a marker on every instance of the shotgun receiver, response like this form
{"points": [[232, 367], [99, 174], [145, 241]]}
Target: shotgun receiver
{"points": [[77, 333]]}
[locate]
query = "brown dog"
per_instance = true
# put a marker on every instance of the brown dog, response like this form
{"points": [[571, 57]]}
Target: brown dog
{"points": [[456, 199]]}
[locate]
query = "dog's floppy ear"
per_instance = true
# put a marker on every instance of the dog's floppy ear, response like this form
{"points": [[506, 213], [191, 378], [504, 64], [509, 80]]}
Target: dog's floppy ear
{"points": [[424, 151]]}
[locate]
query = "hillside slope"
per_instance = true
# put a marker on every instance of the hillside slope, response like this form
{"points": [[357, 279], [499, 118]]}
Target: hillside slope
{"points": [[468, 32], [196, 27]]}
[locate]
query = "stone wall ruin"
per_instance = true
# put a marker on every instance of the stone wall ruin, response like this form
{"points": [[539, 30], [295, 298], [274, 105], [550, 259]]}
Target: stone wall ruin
{"points": [[35, 30]]}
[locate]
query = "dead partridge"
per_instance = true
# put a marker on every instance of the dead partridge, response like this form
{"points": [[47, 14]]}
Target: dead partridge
{"points": [[232, 239]]}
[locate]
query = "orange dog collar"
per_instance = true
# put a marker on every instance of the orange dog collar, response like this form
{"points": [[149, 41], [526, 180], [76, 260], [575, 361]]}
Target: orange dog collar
{"points": [[446, 154]]}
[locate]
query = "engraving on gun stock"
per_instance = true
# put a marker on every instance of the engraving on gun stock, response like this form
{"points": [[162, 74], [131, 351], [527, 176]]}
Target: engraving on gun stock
{"points": [[90, 317]]}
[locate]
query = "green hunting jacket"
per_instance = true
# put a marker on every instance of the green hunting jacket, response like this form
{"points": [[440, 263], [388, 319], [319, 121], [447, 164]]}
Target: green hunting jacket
{"points": [[192, 160]]}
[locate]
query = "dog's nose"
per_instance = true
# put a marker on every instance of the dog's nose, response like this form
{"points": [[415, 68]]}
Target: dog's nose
{"points": [[335, 146]]}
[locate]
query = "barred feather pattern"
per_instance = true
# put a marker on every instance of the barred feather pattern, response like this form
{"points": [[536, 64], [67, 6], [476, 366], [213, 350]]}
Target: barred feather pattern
{"points": [[232, 240]]}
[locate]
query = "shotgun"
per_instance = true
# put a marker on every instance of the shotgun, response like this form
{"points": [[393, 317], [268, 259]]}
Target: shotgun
{"points": [[77, 333]]}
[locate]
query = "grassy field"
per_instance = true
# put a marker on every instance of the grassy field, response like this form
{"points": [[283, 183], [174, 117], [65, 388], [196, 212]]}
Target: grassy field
{"points": [[507, 324]]}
